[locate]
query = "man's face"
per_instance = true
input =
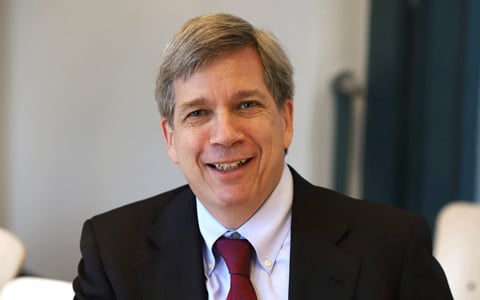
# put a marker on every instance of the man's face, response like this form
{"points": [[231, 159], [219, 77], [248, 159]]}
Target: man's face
{"points": [[229, 136]]}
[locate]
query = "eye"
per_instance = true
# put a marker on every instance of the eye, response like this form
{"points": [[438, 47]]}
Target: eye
{"points": [[197, 113], [196, 117], [248, 104]]}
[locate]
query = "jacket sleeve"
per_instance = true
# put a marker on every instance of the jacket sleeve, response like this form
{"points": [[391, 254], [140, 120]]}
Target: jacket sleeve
{"points": [[91, 281], [422, 276]]}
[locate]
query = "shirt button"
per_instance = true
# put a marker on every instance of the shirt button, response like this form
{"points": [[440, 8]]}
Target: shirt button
{"points": [[210, 266], [267, 263]]}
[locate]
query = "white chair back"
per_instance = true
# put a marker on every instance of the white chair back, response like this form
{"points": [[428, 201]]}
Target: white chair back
{"points": [[26, 288], [457, 248], [12, 256]]}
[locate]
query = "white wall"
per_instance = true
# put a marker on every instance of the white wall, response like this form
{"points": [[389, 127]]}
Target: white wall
{"points": [[3, 114], [82, 130]]}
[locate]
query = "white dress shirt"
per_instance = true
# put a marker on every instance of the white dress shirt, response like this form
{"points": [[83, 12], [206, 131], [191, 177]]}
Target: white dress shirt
{"points": [[268, 230]]}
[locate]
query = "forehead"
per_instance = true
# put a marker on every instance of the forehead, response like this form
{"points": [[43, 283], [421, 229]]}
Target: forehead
{"points": [[229, 73]]}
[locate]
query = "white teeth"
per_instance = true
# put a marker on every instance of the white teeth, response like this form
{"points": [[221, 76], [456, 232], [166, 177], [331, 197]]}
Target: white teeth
{"points": [[230, 166]]}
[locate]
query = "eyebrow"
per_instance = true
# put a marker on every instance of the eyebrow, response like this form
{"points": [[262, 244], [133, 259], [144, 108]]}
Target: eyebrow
{"points": [[186, 106], [248, 93]]}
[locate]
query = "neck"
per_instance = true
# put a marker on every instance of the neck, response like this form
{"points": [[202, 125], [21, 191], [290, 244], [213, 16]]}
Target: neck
{"points": [[234, 217]]}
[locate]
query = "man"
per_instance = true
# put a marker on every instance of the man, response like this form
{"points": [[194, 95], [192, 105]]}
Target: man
{"points": [[225, 93]]}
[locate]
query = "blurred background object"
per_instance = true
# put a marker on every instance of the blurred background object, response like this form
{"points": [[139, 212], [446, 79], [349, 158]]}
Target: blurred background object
{"points": [[457, 241], [421, 132], [12, 256], [24, 288]]}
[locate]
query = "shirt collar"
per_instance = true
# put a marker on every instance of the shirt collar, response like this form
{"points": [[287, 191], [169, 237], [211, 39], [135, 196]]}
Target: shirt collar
{"points": [[266, 230]]}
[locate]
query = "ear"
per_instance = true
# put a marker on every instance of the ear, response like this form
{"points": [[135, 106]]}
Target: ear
{"points": [[168, 136], [287, 118]]}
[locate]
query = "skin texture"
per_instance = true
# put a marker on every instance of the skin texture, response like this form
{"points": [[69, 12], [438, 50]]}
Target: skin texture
{"points": [[229, 136]]}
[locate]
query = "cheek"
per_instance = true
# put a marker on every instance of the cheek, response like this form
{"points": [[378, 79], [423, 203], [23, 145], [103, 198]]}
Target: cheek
{"points": [[188, 146]]}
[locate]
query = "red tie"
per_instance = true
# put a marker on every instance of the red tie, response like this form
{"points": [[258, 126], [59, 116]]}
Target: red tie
{"points": [[237, 255]]}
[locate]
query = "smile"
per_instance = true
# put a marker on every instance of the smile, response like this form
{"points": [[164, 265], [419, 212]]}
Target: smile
{"points": [[229, 166]]}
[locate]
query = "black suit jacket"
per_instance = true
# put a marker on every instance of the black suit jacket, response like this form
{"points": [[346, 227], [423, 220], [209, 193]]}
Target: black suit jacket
{"points": [[341, 248]]}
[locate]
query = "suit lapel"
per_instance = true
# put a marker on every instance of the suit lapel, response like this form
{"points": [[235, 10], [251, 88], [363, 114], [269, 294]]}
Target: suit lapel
{"points": [[174, 269], [318, 267]]}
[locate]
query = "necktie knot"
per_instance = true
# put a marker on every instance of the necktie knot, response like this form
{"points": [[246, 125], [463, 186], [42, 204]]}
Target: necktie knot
{"points": [[237, 255]]}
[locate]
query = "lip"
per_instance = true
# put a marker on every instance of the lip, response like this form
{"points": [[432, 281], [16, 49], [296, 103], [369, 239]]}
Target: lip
{"points": [[228, 177], [229, 166]]}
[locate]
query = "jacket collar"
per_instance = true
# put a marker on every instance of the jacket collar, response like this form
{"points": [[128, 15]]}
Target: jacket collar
{"points": [[174, 270], [318, 266]]}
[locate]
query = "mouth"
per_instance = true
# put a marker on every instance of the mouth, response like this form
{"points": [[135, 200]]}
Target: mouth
{"points": [[229, 166]]}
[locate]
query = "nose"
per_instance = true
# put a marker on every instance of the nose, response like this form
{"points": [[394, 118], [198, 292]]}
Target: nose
{"points": [[226, 130]]}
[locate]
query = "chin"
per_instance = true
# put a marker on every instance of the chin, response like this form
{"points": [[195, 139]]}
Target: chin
{"points": [[232, 200]]}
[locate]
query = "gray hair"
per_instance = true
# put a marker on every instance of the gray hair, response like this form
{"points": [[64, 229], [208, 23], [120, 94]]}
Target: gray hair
{"points": [[204, 38]]}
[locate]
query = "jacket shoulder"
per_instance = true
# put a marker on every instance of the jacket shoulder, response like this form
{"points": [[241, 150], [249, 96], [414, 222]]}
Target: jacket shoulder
{"points": [[362, 216], [141, 213]]}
